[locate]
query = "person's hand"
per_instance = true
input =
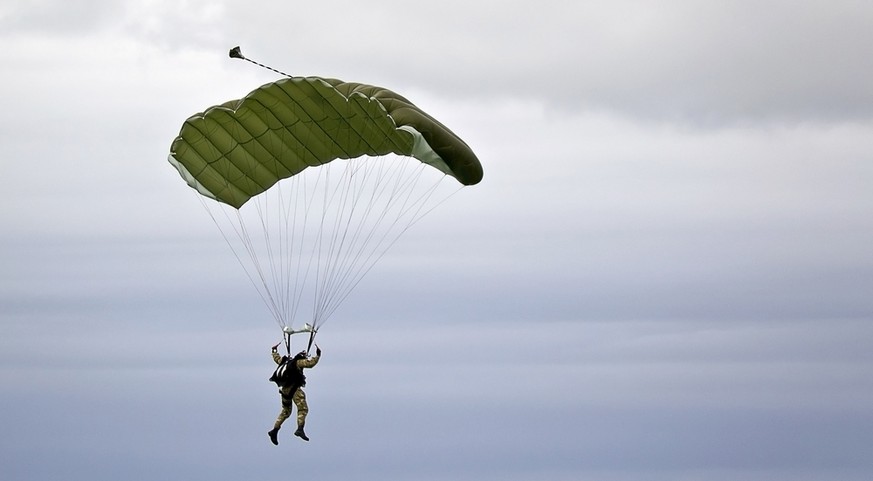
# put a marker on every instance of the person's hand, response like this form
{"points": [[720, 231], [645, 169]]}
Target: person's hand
{"points": [[276, 345], [317, 350]]}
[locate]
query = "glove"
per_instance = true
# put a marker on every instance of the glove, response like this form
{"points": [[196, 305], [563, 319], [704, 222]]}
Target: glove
{"points": [[317, 350], [277, 345]]}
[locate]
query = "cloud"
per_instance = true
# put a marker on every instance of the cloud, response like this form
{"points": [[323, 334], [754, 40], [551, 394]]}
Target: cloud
{"points": [[665, 273], [677, 61], [56, 17], [155, 21]]}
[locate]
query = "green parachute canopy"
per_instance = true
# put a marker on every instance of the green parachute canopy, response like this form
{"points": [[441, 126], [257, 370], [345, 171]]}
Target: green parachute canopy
{"points": [[239, 149], [315, 179]]}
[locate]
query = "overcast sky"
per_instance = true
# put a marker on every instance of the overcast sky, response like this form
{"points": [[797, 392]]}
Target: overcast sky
{"points": [[665, 274]]}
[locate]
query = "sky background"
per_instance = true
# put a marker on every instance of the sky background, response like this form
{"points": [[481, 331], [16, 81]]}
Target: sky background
{"points": [[665, 274]]}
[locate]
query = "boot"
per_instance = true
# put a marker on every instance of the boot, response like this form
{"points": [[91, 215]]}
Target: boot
{"points": [[273, 436], [300, 434]]}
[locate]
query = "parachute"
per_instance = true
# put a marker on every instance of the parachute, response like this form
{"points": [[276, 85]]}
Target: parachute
{"points": [[312, 179]]}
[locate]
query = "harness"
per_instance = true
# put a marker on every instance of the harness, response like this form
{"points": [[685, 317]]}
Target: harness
{"points": [[288, 374]]}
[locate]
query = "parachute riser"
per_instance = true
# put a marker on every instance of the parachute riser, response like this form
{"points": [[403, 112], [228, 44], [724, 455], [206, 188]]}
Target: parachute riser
{"points": [[311, 338]]}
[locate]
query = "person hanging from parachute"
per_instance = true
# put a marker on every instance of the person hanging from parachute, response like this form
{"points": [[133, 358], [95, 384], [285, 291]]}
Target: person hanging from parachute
{"points": [[316, 178], [291, 380]]}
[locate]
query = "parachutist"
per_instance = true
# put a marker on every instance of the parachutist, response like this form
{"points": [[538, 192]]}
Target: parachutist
{"points": [[290, 379]]}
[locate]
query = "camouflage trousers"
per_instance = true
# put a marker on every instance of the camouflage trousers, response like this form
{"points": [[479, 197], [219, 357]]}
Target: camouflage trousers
{"points": [[298, 399]]}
